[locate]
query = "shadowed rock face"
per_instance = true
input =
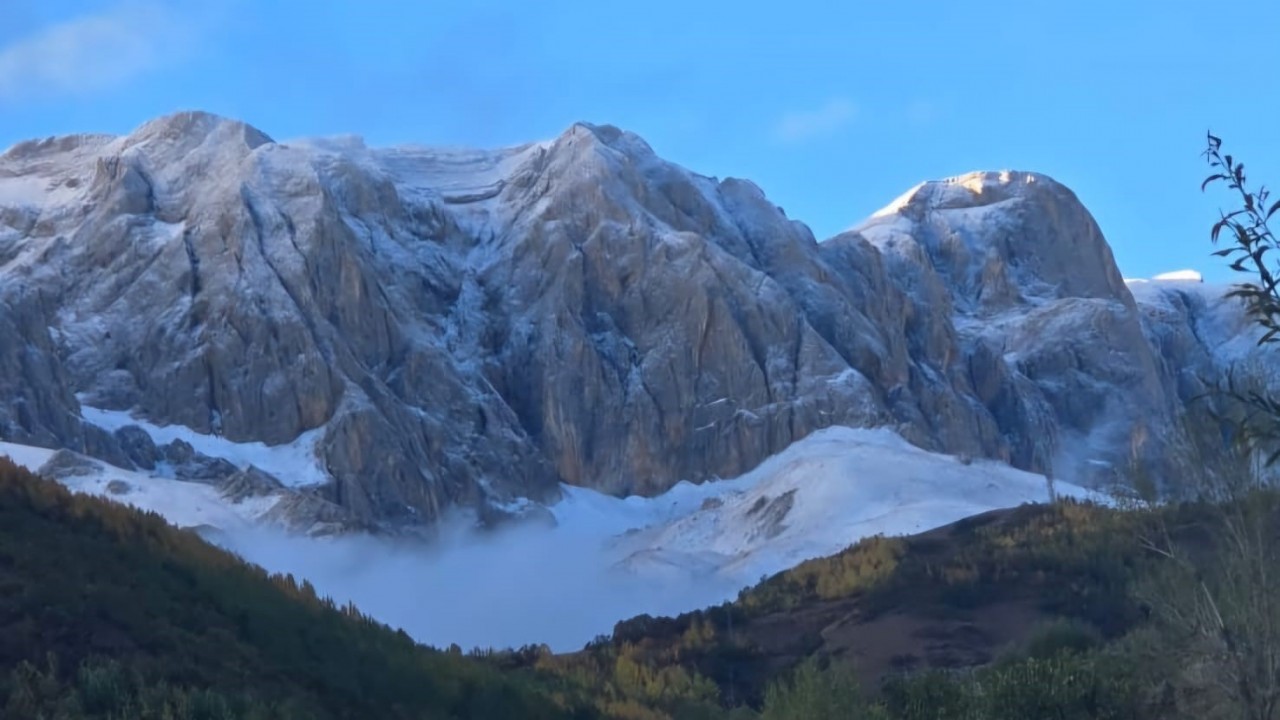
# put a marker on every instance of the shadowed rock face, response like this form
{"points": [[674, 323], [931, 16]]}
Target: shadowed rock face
{"points": [[468, 327]]}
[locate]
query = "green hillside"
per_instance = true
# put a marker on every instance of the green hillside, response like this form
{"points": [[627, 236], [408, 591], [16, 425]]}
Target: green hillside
{"points": [[106, 612], [1069, 611], [1059, 611]]}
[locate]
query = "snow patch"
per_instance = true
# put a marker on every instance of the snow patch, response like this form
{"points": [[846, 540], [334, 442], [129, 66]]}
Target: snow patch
{"points": [[821, 495], [295, 464], [184, 504], [899, 203]]}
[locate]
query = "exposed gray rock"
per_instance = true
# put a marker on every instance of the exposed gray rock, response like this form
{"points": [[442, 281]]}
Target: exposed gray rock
{"points": [[249, 483], [188, 464], [310, 514], [138, 447], [178, 452], [118, 487], [493, 517], [39, 407], [67, 464], [106, 446]]}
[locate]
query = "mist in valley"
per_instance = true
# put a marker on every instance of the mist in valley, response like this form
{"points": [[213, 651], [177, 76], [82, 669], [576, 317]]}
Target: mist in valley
{"points": [[488, 589]]}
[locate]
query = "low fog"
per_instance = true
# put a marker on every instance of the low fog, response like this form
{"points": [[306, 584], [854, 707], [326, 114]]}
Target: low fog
{"points": [[495, 589]]}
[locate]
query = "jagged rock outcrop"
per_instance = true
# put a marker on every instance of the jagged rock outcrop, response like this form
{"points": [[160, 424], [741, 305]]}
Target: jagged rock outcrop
{"points": [[138, 447], [195, 466], [306, 513], [1043, 320], [65, 463], [249, 483], [465, 328]]}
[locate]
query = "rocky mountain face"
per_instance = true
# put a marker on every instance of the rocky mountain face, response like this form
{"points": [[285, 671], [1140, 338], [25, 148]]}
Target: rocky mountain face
{"points": [[468, 328]]}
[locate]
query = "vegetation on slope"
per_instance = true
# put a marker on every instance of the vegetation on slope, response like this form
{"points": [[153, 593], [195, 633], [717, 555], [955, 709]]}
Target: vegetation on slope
{"points": [[1063, 611], [952, 598], [106, 612]]}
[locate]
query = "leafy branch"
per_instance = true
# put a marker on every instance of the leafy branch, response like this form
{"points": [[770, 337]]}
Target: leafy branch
{"points": [[1253, 239]]}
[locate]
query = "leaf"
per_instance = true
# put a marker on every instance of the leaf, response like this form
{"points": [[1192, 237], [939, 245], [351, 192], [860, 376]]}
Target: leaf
{"points": [[1214, 178]]}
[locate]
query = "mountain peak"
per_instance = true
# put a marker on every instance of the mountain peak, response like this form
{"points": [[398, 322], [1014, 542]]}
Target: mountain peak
{"points": [[1001, 237], [605, 131], [972, 189], [609, 136], [195, 127], [980, 181]]}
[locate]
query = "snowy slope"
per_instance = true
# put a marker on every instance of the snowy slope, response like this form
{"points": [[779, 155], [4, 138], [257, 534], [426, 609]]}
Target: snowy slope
{"points": [[1221, 325], [184, 504], [608, 558], [821, 495], [295, 464]]}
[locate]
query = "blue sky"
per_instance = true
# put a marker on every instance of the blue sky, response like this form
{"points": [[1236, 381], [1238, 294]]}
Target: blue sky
{"points": [[833, 108]]}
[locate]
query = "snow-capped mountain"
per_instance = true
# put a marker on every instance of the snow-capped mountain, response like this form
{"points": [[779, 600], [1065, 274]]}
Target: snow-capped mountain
{"points": [[467, 328]]}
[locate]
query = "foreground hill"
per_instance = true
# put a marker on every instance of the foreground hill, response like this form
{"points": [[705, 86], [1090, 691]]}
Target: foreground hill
{"points": [[1068, 611], [439, 328], [953, 598], [602, 558], [109, 613]]}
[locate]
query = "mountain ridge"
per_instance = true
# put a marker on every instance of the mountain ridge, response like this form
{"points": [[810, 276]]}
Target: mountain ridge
{"points": [[470, 327]]}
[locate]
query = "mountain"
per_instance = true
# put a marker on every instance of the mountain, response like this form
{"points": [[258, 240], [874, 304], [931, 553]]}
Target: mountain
{"points": [[394, 332], [955, 597]]}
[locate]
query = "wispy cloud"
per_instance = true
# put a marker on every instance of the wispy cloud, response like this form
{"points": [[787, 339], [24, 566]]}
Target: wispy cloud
{"points": [[805, 125], [95, 52]]}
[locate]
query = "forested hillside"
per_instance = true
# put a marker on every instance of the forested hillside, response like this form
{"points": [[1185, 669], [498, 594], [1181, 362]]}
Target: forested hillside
{"points": [[109, 613]]}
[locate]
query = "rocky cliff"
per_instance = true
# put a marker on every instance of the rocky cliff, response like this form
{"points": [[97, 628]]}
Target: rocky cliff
{"points": [[468, 328]]}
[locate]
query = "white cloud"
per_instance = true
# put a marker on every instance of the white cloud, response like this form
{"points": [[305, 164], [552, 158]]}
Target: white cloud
{"points": [[806, 125], [522, 585], [92, 53]]}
